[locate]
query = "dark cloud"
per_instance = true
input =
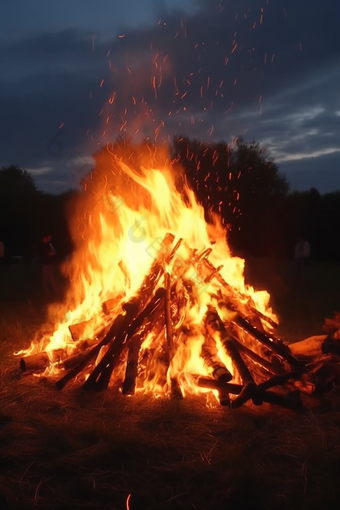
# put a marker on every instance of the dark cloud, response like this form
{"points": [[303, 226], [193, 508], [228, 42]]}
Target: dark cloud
{"points": [[268, 71]]}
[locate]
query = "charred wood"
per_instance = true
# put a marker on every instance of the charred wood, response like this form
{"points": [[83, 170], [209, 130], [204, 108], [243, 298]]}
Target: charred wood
{"points": [[41, 360], [238, 296], [101, 374], [269, 341], [118, 327]]}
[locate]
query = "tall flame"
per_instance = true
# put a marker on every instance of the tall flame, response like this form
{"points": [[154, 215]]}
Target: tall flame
{"points": [[120, 238]]}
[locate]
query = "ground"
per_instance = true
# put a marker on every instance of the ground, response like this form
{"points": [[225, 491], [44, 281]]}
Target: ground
{"points": [[61, 450]]}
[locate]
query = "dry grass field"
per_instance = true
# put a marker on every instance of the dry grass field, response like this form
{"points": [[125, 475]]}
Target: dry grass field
{"points": [[68, 450]]}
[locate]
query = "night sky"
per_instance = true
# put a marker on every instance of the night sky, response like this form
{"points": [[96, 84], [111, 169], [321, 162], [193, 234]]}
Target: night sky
{"points": [[75, 74]]}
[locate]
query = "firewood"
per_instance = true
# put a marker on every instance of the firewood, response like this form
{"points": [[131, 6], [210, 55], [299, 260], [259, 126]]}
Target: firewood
{"points": [[101, 374], [280, 379], [271, 342], [174, 385], [217, 330], [288, 400], [155, 323], [209, 355], [132, 307], [41, 360], [267, 365], [119, 325], [331, 324], [311, 346], [109, 305], [214, 384], [238, 296], [82, 330]]}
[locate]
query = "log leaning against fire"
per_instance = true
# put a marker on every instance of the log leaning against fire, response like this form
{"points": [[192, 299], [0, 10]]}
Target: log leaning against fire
{"points": [[131, 308], [233, 292], [220, 371], [271, 342], [174, 385], [101, 374], [216, 329]]}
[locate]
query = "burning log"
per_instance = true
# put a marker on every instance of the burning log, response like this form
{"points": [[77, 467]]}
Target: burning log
{"points": [[155, 323], [119, 325], [271, 342], [101, 374], [175, 387], [82, 330], [312, 346], [237, 296], [290, 400], [131, 370], [264, 363], [41, 360], [216, 329], [209, 355], [109, 305]]}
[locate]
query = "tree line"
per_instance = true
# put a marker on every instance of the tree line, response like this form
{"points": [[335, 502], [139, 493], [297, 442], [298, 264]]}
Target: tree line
{"points": [[263, 216]]}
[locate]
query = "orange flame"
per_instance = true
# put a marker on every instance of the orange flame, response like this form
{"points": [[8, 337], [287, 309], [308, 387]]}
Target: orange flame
{"points": [[117, 241]]}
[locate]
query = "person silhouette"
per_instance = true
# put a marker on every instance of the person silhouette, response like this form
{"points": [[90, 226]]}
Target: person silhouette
{"points": [[47, 256], [302, 254]]}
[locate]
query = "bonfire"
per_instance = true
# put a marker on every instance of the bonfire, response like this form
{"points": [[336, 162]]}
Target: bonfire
{"points": [[158, 304]]}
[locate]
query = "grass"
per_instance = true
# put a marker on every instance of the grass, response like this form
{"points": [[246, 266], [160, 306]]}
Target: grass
{"points": [[61, 450]]}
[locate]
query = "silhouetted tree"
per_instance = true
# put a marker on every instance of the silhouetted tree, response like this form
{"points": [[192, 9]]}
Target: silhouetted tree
{"points": [[243, 185]]}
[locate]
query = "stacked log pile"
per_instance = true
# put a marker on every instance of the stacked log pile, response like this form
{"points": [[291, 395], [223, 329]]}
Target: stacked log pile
{"points": [[263, 368]]}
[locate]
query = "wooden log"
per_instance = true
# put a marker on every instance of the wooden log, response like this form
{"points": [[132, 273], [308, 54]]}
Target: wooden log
{"points": [[109, 305], [269, 341], [120, 324], [331, 324], [174, 384], [217, 330], [101, 374], [167, 312], [238, 296], [213, 384], [82, 330], [41, 360], [155, 322], [278, 380], [288, 400], [253, 356], [209, 355], [72, 361], [309, 347], [131, 369]]}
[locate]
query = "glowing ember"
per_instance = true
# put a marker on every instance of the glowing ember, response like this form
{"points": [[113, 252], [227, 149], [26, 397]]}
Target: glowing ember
{"points": [[137, 230]]}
